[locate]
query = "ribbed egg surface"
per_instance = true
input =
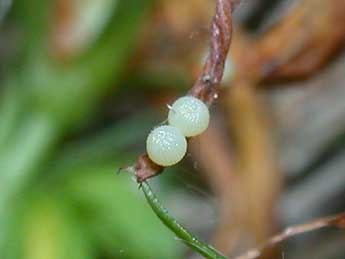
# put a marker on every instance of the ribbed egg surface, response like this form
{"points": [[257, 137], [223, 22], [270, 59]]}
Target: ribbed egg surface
{"points": [[190, 115], [166, 145]]}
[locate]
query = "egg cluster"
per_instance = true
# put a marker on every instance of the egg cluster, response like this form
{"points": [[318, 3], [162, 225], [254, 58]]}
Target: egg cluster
{"points": [[166, 145]]}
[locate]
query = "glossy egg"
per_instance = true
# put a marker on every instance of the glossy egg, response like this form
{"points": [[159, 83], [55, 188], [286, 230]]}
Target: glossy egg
{"points": [[166, 145], [190, 115]]}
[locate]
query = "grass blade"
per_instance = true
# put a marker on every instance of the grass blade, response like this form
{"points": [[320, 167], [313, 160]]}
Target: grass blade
{"points": [[181, 232]]}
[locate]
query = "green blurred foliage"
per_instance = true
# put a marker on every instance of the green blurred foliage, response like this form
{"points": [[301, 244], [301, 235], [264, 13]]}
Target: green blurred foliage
{"points": [[58, 198]]}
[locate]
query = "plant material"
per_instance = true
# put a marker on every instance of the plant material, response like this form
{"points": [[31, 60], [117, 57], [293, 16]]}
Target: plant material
{"points": [[318, 29], [206, 87], [206, 90], [182, 233], [255, 161], [46, 98], [337, 221], [209, 252], [264, 61]]}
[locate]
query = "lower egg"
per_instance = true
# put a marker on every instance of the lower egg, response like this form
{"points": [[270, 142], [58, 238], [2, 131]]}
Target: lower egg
{"points": [[166, 145]]}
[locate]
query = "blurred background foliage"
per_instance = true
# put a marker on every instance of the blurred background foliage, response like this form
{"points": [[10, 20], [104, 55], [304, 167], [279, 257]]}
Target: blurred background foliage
{"points": [[82, 82], [59, 196]]}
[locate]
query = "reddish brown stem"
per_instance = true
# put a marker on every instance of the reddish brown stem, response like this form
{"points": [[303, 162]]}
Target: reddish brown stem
{"points": [[207, 85], [337, 221]]}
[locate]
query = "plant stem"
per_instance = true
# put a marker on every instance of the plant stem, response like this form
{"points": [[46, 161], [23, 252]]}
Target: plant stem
{"points": [[204, 249]]}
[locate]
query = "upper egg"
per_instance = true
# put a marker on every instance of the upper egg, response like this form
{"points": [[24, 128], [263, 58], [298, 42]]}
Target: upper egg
{"points": [[190, 115]]}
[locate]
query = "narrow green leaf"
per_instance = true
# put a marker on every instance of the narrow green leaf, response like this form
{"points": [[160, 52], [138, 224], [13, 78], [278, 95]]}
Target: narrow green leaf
{"points": [[27, 149], [181, 232]]}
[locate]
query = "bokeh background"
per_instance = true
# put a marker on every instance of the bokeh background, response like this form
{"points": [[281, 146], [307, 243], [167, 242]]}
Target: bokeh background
{"points": [[82, 83]]}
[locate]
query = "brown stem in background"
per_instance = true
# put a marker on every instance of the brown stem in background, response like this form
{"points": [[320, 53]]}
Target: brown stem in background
{"points": [[297, 47], [206, 87], [333, 221], [254, 167]]}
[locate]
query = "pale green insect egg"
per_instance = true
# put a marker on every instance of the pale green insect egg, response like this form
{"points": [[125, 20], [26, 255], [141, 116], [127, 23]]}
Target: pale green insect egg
{"points": [[166, 145], [190, 115]]}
